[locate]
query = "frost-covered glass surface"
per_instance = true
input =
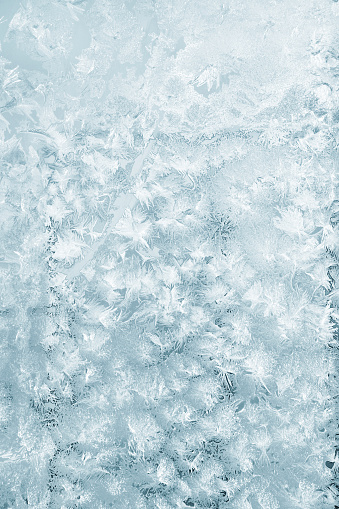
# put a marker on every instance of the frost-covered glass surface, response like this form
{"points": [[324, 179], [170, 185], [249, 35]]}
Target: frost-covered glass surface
{"points": [[169, 246]]}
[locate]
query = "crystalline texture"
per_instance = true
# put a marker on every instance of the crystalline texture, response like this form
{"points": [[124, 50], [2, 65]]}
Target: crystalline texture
{"points": [[169, 254]]}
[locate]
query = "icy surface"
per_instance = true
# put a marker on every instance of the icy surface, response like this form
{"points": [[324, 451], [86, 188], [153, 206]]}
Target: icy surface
{"points": [[169, 246]]}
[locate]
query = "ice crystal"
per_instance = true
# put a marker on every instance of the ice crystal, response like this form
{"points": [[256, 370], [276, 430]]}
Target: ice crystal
{"points": [[169, 254]]}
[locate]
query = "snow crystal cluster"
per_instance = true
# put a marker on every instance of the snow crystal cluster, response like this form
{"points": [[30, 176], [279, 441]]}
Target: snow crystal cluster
{"points": [[169, 255]]}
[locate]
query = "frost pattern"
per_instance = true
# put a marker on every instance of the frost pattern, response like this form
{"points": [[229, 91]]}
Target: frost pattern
{"points": [[169, 254]]}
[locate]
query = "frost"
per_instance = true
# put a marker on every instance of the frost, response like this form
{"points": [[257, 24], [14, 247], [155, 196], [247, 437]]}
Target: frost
{"points": [[169, 254], [68, 248]]}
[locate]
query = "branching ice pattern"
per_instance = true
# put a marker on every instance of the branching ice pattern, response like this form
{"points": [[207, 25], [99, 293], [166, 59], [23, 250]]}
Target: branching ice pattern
{"points": [[169, 255]]}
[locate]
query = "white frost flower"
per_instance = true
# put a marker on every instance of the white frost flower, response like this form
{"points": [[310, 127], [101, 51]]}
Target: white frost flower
{"points": [[166, 471], [68, 248]]}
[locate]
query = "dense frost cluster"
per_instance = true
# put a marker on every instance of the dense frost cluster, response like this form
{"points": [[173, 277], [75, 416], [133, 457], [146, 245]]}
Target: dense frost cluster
{"points": [[169, 254]]}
